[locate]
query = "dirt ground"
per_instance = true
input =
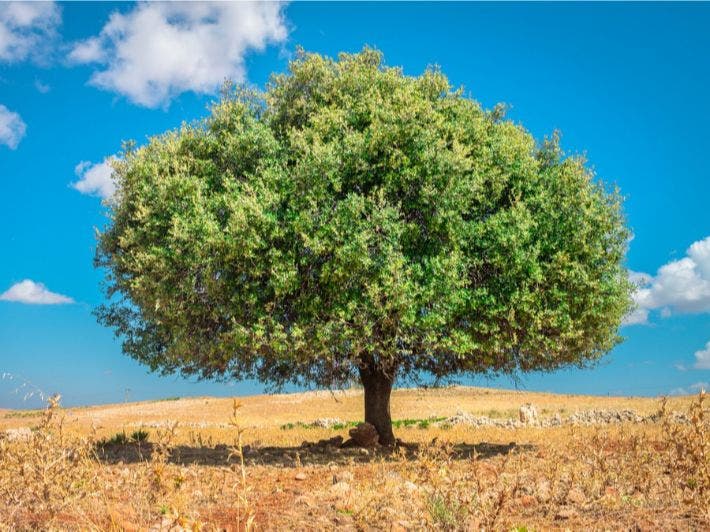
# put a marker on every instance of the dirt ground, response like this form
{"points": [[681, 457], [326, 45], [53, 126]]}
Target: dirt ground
{"points": [[276, 463]]}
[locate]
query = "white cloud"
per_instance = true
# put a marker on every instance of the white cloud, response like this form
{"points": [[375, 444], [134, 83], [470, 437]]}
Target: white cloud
{"points": [[635, 317], [158, 50], [638, 315], [702, 358], [681, 286], [639, 278], [690, 390], [95, 179], [32, 293], [12, 127], [88, 51], [27, 29]]}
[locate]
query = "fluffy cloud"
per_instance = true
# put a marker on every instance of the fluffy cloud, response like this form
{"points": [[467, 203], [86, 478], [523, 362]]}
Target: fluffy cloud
{"points": [[88, 51], [702, 358], [635, 317], [638, 314], [681, 286], [27, 29], [34, 294], [95, 179], [12, 128], [159, 50]]}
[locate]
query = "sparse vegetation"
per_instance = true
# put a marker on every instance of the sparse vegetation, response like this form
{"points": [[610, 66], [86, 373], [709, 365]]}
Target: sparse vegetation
{"points": [[23, 414], [496, 414], [139, 436], [120, 438], [250, 475]]}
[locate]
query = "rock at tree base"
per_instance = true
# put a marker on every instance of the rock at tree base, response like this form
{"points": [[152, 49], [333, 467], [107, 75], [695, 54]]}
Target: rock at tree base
{"points": [[528, 413], [364, 435]]}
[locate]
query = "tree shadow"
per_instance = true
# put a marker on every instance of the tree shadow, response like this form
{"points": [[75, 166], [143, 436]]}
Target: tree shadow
{"points": [[304, 455]]}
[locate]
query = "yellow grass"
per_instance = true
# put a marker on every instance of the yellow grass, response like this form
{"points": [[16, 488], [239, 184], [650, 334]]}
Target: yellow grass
{"points": [[191, 472]]}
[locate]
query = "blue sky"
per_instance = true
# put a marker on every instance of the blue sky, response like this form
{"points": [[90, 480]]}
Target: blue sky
{"points": [[626, 84]]}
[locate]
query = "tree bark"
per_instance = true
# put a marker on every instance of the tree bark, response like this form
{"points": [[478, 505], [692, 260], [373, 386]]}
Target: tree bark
{"points": [[378, 388]]}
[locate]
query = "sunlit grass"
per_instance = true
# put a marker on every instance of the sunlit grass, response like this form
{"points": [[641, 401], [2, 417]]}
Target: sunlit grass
{"points": [[96, 468]]}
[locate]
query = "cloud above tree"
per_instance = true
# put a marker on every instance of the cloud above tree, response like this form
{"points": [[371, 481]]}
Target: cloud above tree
{"points": [[156, 51], [27, 30]]}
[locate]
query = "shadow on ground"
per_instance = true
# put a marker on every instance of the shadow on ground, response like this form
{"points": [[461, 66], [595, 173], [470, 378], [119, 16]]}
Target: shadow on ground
{"points": [[306, 454]]}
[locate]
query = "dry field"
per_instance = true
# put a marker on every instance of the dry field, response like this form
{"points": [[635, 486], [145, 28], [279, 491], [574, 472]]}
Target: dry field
{"points": [[201, 464]]}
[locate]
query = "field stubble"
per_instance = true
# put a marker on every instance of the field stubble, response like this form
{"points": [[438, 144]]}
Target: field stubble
{"points": [[206, 463]]}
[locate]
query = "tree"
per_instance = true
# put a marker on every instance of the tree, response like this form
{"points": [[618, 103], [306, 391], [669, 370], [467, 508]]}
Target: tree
{"points": [[354, 222]]}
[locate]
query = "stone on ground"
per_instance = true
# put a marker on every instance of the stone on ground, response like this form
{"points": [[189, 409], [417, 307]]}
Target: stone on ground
{"points": [[365, 435], [528, 413]]}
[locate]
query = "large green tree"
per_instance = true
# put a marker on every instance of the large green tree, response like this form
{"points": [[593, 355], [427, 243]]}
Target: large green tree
{"points": [[354, 222]]}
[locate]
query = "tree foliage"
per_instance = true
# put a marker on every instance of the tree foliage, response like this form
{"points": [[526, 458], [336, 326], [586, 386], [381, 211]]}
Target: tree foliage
{"points": [[351, 216]]}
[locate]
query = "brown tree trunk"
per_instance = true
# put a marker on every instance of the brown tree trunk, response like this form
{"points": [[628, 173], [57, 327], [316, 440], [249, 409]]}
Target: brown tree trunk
{"points": [[378, 388]]}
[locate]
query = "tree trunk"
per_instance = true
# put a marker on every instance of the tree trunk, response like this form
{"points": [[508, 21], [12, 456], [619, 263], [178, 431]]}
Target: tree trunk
{"points": [[378, 388]]}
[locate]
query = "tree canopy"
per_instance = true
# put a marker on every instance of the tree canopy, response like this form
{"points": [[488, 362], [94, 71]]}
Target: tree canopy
{"points": [[351, 218]]}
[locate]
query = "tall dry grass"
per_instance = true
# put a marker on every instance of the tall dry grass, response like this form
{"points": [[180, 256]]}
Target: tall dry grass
{"points": [[652, 476], [610, 477]]}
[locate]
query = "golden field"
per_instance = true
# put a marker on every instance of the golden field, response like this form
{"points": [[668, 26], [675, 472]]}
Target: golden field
{"points": [[201, 464]]}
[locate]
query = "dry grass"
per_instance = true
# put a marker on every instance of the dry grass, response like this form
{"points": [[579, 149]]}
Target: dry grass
{"points": [[215, 464]]}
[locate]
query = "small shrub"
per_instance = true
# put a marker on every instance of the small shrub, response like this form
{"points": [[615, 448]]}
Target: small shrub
{"points": [[443, 512], [140, 436], [120, 438], [297, 425]]}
